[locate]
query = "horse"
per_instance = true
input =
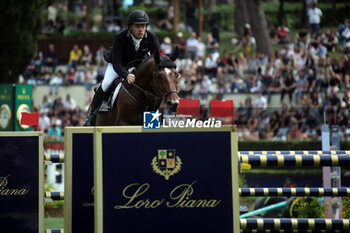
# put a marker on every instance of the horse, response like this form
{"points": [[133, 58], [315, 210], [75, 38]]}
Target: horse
{"points": [[155, 85]]}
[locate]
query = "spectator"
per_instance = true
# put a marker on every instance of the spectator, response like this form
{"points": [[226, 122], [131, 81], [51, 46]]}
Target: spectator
{"points": [[44, 120], [321, 50], [204, 88], [288, 86], [45, 76], [74, 58], [273, 34], [87, 56], [99, 57], [222, 66], [80, 76], [248, 41], [50, 58], [70, 77], [266, 83], [312, 81], [54, 132], [238, 85], [52, 13], [276, 86], [260, 102], [215, 33], [232, 64], [330, 41], [171, 14], [191, 46], [213, 46], [210, 66], [181, 43], [66, 120], [335, 102], [294, 133], [242, 64], [69, 102], [316, 104], [46, 105], [345, 36], [56, 81], [302, 38], [166, 46], [200, 53], [91, 75], [335, 82], [314, 15], [282, 33], [32, 80]]}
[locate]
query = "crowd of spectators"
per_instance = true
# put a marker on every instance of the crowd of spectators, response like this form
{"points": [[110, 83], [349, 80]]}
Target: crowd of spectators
{"points": [[56, 114], [301, 73]]}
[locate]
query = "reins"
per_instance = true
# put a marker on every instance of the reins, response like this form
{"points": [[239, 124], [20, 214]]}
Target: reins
{"points": [[158, 97]]}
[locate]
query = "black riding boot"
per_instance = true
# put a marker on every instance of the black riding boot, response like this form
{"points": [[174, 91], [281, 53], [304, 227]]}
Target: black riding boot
{"points": [[96, 102]]}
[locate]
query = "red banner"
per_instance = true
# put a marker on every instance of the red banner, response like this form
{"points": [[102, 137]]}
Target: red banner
{"points": [[188, 107], [221, 108], [30, 119]]}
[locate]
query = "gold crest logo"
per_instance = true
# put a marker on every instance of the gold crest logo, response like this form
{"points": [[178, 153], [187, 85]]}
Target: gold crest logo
{"points": [[167, 163]]}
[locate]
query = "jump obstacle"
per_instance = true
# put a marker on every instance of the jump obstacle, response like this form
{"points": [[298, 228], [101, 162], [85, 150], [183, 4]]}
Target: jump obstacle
{"points": [[275, 159]]}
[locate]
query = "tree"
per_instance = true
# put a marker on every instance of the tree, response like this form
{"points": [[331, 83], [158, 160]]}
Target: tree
{"points": [[281, 15], [20, 23], [259, 27], [303, 19], [241, 17], [256, 17]]}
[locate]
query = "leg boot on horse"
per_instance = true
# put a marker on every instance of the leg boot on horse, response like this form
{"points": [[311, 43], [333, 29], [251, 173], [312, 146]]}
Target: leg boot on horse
{"points": [[96, 102]]}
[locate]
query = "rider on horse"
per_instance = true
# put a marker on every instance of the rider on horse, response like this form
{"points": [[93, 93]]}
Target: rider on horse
{"points": [[133, 43]]}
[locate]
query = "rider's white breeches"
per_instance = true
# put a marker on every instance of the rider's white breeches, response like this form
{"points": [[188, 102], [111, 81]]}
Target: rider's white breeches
{"points": [[110, 76]]}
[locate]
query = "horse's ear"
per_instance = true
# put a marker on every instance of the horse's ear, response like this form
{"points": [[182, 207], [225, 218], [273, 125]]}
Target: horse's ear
{"points": [[157, 58], [175, 53]]}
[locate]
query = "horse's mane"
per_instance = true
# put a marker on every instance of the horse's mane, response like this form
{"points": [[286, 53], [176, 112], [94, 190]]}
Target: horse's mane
{"points": [[165, 62]]}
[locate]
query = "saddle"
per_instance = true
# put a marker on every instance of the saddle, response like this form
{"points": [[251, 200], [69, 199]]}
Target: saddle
{"points": [[113, 91]]}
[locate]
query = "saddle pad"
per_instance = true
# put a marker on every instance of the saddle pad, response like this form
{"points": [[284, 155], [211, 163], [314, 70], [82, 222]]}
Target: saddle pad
{"points": [[106, 104]]}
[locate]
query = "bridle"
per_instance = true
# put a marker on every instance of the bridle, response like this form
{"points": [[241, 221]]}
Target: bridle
{"points": [[159, 96]]}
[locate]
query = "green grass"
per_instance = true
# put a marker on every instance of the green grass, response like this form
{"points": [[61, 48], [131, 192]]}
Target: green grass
{"points": [[54, 223]]}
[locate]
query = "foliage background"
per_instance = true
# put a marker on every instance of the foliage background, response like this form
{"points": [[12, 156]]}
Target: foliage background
{"points": [[20, 23]]}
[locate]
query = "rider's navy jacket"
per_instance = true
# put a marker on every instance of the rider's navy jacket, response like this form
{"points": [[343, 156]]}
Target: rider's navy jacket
{"points": [[124, 50]]}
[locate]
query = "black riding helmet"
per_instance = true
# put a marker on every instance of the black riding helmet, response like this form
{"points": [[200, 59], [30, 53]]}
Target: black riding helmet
{"points": [[138, 17]]}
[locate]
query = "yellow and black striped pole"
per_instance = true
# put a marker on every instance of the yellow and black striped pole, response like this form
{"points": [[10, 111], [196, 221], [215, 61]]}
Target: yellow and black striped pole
{"points": [[54, 231], [295, 152], [294, 192], [295, 160], [301, 224], [55, 158], [54, 195], [292, 231]]}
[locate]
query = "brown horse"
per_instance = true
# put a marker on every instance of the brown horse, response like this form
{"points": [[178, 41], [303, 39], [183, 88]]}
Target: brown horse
{"points": [[155, 84]]}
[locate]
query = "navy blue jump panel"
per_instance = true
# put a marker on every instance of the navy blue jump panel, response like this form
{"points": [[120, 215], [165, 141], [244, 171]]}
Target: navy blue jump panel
{"points": [[166, 182], [21, 182], [79, 183]]}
